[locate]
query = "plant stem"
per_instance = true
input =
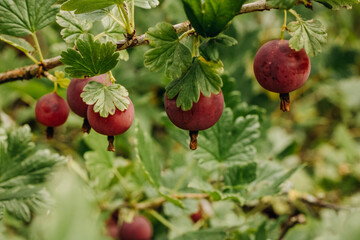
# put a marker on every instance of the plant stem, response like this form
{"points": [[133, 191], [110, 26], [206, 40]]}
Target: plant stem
{"points": [[284, 25], [99, 35], [163, 220], [125, 18], [295, 14], [116, 20], [37, 47], [196, 44], [159, 201], [186, 33], [133, 14]]}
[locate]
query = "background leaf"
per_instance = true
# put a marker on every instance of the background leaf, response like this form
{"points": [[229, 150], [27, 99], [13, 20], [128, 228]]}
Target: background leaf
{"points": [[338, 4], [23, 169], [73, 27], [168, 51], [230, 139], [210, 17], [147, 4], [85, 6], [281, 4], [22, 17]]}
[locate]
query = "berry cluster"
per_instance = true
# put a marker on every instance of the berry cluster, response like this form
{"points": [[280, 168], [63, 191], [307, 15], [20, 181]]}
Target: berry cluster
{"points": [[277, 68]]}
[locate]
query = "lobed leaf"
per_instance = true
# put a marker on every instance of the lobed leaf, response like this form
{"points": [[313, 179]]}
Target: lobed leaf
{"points": [[168, 51], [210, 17], [92, 58], [20, 18], [308, 35], [106, 99], [230, 140], [240, 174], [202, 76], [113, 31], [74, 28], [23, 170], [100, 167], [209, 47]]}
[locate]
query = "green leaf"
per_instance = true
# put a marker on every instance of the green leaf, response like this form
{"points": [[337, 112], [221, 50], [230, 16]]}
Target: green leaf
{"points": [[92, 58], [210, 17], [208, 234], [202, 76], [23, 170], [147, 4], [240, 174], [281, 4], [19, 43], [84, 6], [229, 140], [338, 4], [61, 79], [168, 51], [209, 47], [268, 182], [20, 18], [113, 31], [73, 27], [150, 164], [205, 187], [105, 98], [172, 200], [308, 35], [100, 167]]}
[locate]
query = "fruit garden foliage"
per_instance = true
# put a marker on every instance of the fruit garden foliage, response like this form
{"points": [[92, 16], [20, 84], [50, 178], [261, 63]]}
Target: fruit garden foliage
{"points": [[223, 168]]}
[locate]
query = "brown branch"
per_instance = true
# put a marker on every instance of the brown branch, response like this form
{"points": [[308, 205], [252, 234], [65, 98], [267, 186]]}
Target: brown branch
{"points": [[290, 223], [31, 71]]}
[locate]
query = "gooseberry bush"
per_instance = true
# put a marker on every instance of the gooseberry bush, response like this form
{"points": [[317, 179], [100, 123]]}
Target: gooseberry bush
{"points": [[163, 132]]}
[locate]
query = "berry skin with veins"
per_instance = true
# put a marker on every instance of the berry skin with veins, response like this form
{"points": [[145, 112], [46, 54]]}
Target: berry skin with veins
{"points": [[76, 103], [280, 69], [113, 125], [52, 111], [203, 114]]}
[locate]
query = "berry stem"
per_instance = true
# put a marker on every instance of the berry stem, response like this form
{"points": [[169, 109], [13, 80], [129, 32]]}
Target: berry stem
{"points": [[86, 126], [49, 133], [283, 26], [111, 147], [285, 102], [193, 139]]}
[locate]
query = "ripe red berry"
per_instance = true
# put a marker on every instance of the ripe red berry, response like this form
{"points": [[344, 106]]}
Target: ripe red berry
{"points": [[51, 110], [280, 69], [139, 229], [76, 104], [203, 114], [112, 125]]}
